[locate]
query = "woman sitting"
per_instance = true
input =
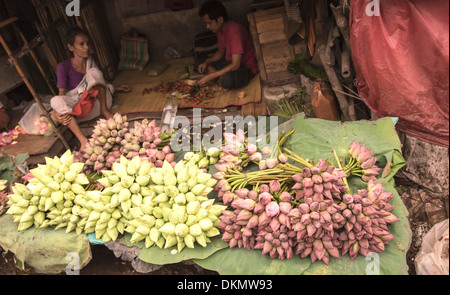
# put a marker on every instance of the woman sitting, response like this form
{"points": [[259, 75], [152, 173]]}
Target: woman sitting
{"points": [[83, 92]]}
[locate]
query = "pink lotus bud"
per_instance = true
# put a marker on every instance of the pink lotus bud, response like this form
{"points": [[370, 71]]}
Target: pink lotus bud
{"points": [[283, 158], [219, 175], [315, 215], [228, 197], [221, 167], [303, 208], [266, 150], [307, 182], [265, 198], [166, 150], [369, 163], [363, 156], [374, 171], [157, 141], [338, 218], [253, 221], [327, 177], [306, 172], [274, 224], [253, 195], [297, 177], [318, 197], [386, 197], [244, 215], [274, 186], [285, 207], [305, 219], [262, 165], [272, 163], [251, 149], [248, 204], [308, 192], [318, 188], [267, 247], [294, 213], [315, 171], [160, 155], [366, 202], [299, 195], [388, 207], [264, 219], [391, 218], [272, 209], [242, 193], [315, 206], [170, 157], [317, 179], [357, 209], [264, 188], [354, 148], [259, 208], [310, 229], [286, 197], [256, 157], [347, 199], [297, 186], [326, 216], [347, 213]]}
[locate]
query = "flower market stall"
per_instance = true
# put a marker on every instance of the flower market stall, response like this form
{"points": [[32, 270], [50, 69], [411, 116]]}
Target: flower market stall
{"points": [[319, 201]]}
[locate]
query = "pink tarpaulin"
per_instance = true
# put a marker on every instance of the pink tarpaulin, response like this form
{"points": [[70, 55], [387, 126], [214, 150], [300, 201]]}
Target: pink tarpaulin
{"points": [[401, 54]]}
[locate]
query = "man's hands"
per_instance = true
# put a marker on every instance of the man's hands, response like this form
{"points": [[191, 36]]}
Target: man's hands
{"points": [[203, 67]]}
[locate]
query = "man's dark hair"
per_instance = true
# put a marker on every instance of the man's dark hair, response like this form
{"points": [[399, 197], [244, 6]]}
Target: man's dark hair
{"points": [[73, 32], [214, 9]]}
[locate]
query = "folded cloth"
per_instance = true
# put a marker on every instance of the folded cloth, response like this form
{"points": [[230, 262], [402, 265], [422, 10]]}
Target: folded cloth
{"points": [[85, 103]]}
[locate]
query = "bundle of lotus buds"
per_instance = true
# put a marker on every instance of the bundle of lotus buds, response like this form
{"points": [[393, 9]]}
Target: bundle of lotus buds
{"points": [[115, 137], [366, 216], [204, 158], [260, 221], [49, 198], [361, 162], [322, 181], [162, 206]]}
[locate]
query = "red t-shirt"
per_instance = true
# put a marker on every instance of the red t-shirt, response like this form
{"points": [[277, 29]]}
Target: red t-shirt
{"points": [[236, 39]]}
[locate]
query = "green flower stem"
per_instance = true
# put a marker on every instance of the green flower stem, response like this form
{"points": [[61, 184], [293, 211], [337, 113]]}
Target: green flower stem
{"points": [[298, 159], [340, 167]]}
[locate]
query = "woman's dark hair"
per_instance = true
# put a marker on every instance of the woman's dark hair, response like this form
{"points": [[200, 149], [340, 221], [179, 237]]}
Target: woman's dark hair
{"points": [[73, 32], [214, 9]]}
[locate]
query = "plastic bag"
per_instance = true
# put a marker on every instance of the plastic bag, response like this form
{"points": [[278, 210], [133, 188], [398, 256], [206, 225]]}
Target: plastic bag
{"points": [[34, 122], [432, 258], [401, 55]]}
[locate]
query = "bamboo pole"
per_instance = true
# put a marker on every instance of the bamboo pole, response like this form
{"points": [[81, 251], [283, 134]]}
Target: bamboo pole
{"points": [[28, 84], [33, 55]]}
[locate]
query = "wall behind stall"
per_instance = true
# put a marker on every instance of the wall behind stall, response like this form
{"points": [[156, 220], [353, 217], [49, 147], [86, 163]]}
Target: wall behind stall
{"points": [[163, 27]]}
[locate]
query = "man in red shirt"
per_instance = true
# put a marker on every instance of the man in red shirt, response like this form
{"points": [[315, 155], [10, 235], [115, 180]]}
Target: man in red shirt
{"points": [[234, 63]]}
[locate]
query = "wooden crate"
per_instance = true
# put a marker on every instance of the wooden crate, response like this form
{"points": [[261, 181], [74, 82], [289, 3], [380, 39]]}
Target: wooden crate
{"points": [[273, 51]]}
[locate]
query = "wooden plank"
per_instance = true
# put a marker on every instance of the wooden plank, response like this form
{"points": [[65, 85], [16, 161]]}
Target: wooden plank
{"points": [[266, 14], [272, 36], [270, 25], [258, 52], [276, 57], [281, 77]]}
